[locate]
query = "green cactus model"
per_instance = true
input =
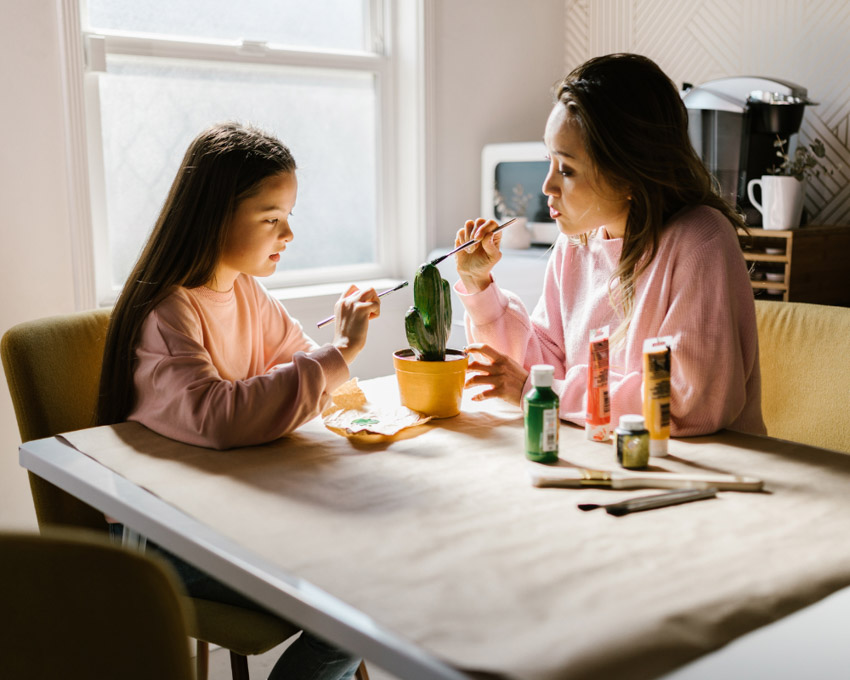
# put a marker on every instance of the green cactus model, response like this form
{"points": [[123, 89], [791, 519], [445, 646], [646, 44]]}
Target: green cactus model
{"points": [[429, 321]]}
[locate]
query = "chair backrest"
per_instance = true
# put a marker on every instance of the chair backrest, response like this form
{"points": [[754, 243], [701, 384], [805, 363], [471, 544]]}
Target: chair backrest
{"points": [[805, 372], [53, 370], [77, 606]]}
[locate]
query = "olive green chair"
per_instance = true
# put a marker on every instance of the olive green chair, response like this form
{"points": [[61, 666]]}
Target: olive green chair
{"points": [[78, 607], [53, 369], [805, 372]]}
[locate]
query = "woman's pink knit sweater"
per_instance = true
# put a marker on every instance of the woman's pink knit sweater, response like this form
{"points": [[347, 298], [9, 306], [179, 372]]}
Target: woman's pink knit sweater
{"points": [[696, 290]]}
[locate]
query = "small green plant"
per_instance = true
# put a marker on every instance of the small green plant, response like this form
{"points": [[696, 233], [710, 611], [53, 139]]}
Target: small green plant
{"points": [[429, 321], [515, 207], [804, 163]]}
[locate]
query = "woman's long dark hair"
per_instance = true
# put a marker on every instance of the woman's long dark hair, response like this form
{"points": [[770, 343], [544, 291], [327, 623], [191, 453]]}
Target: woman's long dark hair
{"points": [[635, 131], [223, 165]]}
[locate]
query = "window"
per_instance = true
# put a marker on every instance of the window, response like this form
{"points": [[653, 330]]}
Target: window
{"points": [[320, 74]]}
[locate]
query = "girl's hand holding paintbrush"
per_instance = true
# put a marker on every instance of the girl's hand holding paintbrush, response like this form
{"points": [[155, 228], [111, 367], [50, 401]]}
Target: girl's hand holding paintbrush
{"points": [[475, 263], [352, 313]]}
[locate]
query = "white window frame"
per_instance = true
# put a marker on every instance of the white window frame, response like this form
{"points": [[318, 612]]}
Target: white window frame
{"points": [[399, 29]]}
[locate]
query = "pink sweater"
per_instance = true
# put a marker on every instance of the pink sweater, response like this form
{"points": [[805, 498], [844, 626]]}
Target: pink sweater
{"points": [[696, 290], [229, 369]]}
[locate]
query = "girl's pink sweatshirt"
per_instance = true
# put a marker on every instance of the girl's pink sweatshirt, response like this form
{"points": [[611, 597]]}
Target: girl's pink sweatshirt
{"points": [[696, 290], [230, 369]]}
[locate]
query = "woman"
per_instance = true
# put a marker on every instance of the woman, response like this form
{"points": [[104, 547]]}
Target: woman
{"points": [[647, 247]]}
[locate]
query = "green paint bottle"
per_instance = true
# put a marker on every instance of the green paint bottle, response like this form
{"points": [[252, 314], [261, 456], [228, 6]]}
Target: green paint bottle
{"points": [[540, 408]]}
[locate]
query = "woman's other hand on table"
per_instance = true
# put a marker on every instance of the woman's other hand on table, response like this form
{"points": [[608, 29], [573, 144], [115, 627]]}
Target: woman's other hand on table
{"points": [[475, 263], [504, 377]]}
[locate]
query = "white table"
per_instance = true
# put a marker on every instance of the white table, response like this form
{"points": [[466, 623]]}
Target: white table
{"points": [[287, 593], [195, 542]]}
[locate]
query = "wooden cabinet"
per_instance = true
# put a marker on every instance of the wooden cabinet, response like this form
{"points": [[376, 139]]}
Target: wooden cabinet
{"points": [[810, 264]]}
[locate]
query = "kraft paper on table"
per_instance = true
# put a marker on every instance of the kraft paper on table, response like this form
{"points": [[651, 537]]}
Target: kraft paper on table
{"points": [[442, 539]]}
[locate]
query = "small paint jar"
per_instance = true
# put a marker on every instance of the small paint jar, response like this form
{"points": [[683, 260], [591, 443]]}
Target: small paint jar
{"points": [[631, 441]]}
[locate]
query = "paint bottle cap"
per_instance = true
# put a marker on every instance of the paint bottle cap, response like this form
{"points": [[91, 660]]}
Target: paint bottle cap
{"points": [[632, 422], [542, 375]]}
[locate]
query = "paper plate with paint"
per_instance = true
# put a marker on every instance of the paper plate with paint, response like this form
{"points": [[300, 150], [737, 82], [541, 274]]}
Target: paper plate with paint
{"points": [[351, 415]]}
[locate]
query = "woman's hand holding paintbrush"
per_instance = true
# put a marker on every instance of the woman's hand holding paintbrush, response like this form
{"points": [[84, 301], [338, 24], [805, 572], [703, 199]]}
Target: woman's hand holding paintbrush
{"points": [[500, 374], [475, 239], [476, 260]]}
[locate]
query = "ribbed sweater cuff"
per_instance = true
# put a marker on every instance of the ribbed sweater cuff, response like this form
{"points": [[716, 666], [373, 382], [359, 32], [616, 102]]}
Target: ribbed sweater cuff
{"points": [[485, 306], [333, 366]]}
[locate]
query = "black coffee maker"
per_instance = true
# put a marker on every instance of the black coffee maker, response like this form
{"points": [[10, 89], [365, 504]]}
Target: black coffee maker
{"points": [[733, 125]]}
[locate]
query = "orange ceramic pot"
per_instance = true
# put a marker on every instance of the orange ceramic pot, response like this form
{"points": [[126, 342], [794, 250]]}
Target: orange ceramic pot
{"points": [[434, 388]]}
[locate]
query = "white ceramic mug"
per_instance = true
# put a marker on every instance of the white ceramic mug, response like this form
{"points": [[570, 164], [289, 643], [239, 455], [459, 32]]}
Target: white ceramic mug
{"points": [[781, 204]]}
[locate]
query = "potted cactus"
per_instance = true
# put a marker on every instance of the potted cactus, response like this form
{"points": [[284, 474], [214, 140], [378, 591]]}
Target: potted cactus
{"points": [[430, 377]]}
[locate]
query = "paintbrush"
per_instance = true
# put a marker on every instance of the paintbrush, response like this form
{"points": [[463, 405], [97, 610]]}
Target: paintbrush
{"points": [[325, 322], [578, 477], [659, 500], [473, 241]]}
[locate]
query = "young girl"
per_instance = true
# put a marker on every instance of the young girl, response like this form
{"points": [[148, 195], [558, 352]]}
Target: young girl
{"points": [[647, 247], [198, 351]]}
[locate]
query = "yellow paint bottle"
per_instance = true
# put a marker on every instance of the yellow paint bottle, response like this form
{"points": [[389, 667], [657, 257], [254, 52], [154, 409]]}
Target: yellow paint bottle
{"points": [[657, 361]]}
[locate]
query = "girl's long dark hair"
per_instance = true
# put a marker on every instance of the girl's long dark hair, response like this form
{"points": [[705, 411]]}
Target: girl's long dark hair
{"points": [[635, 131], [223, 165]]}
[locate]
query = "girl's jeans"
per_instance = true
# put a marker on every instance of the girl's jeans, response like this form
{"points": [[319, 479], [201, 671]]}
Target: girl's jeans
{"points": [[308, 658]]}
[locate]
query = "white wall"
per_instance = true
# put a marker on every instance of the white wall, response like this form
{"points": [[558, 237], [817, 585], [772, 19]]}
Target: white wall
{"points": [[493, 63], [35, 270]]}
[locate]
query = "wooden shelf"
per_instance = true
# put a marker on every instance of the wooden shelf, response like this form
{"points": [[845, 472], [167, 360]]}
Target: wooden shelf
{"points": [[814, 262], [772, 285], [764, 257]]}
